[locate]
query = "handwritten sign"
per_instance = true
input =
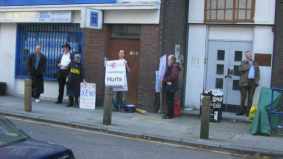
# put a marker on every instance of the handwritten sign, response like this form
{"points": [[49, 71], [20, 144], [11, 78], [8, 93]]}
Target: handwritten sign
{"points": [[115, 75], [88, 96]]}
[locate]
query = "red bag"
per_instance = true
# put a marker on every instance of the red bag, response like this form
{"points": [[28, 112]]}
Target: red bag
{"points": [[177, 107]]}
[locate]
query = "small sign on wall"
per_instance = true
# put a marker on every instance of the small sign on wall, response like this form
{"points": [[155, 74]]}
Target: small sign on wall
{"points": [[92, 18]]}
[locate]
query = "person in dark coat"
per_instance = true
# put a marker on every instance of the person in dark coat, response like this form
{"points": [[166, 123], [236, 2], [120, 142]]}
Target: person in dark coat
{"points": [[63, 68], [74, 79], [36, 68], [249, 80], [170, 85]]}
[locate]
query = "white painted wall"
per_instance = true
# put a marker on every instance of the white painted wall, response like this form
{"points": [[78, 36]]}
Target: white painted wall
{"points": [[132, 16], [50, 89], [264, 11], [195, 65], [230, 33], [261, 36], [196, 11], [7, 55], [263, 44]]}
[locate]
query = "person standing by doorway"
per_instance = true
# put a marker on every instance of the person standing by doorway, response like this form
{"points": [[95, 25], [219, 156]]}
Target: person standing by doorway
{"points": [[249, 78], [74, 79], [36, 69], [63, 70], [121, 93], [170, 85]]}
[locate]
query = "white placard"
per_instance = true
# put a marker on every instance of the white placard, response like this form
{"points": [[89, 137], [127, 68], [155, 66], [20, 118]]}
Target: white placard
{"points": [[88, 96], [162, 66], [115, 74]]}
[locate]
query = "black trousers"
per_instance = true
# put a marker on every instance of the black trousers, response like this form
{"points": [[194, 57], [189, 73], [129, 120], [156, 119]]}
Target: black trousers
{"points": [[62, 75], [247, 91], [170, 96], [74, 100], [37, 86]]}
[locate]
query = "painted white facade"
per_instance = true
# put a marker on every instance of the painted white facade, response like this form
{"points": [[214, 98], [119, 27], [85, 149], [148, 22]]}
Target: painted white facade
{"points": [[123, 12], [259, 33]]}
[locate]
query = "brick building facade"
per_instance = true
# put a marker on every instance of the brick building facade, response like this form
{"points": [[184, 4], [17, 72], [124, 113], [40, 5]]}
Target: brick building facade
{"points": [[277, 69], [154, 40]]}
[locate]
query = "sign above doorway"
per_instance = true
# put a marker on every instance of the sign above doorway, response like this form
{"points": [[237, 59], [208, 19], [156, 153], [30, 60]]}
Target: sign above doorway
{"points": [[92, 18]]}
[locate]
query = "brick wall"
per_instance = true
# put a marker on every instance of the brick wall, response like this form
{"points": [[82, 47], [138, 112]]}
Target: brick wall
{"points": [[173, 28], [277, 67], [149, 60], [95, 47], [173, 22]]}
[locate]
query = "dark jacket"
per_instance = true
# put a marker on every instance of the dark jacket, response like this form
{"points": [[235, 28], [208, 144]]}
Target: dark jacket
{"points": [[244, 70], [36, 74], [171, 75], [40, 70], [75, 77]]}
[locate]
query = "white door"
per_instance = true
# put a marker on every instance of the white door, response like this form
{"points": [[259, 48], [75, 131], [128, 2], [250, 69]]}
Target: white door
{"points": [[223, 63]]}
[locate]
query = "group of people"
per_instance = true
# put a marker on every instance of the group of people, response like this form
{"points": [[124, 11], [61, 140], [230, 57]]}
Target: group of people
{"points": [[70, 73]]}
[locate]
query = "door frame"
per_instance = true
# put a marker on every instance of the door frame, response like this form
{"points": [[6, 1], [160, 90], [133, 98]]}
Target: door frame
{"points": [[207, 55]]}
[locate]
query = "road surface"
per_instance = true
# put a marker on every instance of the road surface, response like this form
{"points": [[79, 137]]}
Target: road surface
{"points": [[94, 145]]}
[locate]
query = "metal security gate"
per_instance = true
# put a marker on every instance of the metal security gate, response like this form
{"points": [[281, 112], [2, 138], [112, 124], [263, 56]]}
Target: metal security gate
{"points": [[51, 37]]}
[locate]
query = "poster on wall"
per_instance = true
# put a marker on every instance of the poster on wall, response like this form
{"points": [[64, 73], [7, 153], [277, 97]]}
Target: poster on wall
{"points": [[115, 74], [88, 96]]}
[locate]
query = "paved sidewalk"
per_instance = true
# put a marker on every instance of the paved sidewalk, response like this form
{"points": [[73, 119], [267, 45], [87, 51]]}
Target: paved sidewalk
{"points": [[230, 134]]}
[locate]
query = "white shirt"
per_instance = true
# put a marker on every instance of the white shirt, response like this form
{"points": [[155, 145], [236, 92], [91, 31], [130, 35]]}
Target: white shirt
{"points": [[65, 61], [251, 74]]}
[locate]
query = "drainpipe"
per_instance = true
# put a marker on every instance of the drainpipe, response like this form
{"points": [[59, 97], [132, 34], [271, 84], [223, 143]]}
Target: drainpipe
{"points": [[185, 53]]}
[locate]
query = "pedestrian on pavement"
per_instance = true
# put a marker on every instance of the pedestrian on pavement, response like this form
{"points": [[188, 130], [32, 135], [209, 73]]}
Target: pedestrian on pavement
{"points": [[36, 68], [250, 75], [74, 79], [63, 70], [121, 93], [170, 85]]}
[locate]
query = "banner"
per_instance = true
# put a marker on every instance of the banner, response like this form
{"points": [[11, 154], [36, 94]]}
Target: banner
{"points": [[88, 96], [115, 74]]}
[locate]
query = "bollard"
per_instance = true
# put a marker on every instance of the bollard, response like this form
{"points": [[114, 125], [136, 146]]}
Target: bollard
{"points": [[27, 96], [204, 128], [107, 114]]}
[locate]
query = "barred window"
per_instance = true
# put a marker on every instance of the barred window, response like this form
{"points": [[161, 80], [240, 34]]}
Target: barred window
{"points": [[230, 11]]}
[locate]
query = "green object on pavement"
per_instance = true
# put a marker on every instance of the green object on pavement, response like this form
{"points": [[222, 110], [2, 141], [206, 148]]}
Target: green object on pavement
{"points": [[260, 124]]}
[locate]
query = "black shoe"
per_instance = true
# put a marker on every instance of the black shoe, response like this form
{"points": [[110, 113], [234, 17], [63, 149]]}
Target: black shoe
{"points": [[240, 113], [70, 105], [167, 117], [58, 102]]}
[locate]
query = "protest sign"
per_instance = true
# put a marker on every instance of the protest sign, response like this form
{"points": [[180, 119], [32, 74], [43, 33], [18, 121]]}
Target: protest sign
{"points": [[88, 96], [115, 74]]}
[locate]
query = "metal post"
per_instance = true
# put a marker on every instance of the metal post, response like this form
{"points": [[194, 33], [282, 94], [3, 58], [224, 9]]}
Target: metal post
{"points": [[27, 96], [204, 128], [107, 115]]}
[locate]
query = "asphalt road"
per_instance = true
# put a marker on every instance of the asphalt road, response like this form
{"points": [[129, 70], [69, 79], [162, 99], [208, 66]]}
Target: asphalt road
{"points": [[94, 145]]}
